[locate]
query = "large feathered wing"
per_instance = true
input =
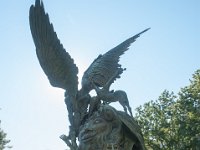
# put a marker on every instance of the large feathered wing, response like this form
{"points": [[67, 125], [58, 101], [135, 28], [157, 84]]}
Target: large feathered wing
{"points": [[54, 60], [106, 66]]}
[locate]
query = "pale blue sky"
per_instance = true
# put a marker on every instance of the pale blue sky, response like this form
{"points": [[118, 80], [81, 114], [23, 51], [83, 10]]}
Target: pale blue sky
{"points": [[33, 113]]}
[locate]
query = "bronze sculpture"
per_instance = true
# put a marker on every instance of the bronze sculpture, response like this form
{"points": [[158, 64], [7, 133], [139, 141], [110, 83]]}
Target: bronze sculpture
{"points": [[83, 109], [110, 129]]}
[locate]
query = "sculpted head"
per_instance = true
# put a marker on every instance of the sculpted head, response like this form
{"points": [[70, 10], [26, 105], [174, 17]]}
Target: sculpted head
{"points": [[101, 130], [107, 129]]}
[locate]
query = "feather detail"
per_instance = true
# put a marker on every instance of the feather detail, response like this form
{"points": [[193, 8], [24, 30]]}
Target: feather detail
{"points": [[54, 60]]}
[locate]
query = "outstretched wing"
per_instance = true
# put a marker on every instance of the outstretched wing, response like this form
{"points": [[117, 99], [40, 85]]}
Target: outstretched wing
{"points": [[106, 66], [54, 60]]}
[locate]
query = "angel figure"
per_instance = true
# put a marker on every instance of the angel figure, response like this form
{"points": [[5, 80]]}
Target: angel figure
{"points": [[62, 72]]}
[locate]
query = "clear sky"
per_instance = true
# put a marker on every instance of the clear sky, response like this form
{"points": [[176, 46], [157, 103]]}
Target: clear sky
{"points": [[33, 113]]}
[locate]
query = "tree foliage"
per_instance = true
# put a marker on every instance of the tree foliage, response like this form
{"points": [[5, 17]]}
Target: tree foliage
{"points": [[3, 140], [173, 121]]}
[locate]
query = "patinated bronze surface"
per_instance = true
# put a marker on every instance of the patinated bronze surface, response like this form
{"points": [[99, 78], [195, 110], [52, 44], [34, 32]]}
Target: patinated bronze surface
{"points": [[107, 129], [93, 121]]}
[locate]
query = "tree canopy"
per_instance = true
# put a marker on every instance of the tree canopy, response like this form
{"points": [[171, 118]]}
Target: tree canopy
{"points": [[3, 140], [173, 121]]}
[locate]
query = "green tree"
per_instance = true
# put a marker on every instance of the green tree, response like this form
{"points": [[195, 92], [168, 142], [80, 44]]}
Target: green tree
{"points": [[173, 122], [3, 140]]}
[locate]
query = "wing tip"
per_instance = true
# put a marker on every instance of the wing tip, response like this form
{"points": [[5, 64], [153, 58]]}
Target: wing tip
{"points": [[38, 6], [143, 31], [133, 38], [38, 3]]}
